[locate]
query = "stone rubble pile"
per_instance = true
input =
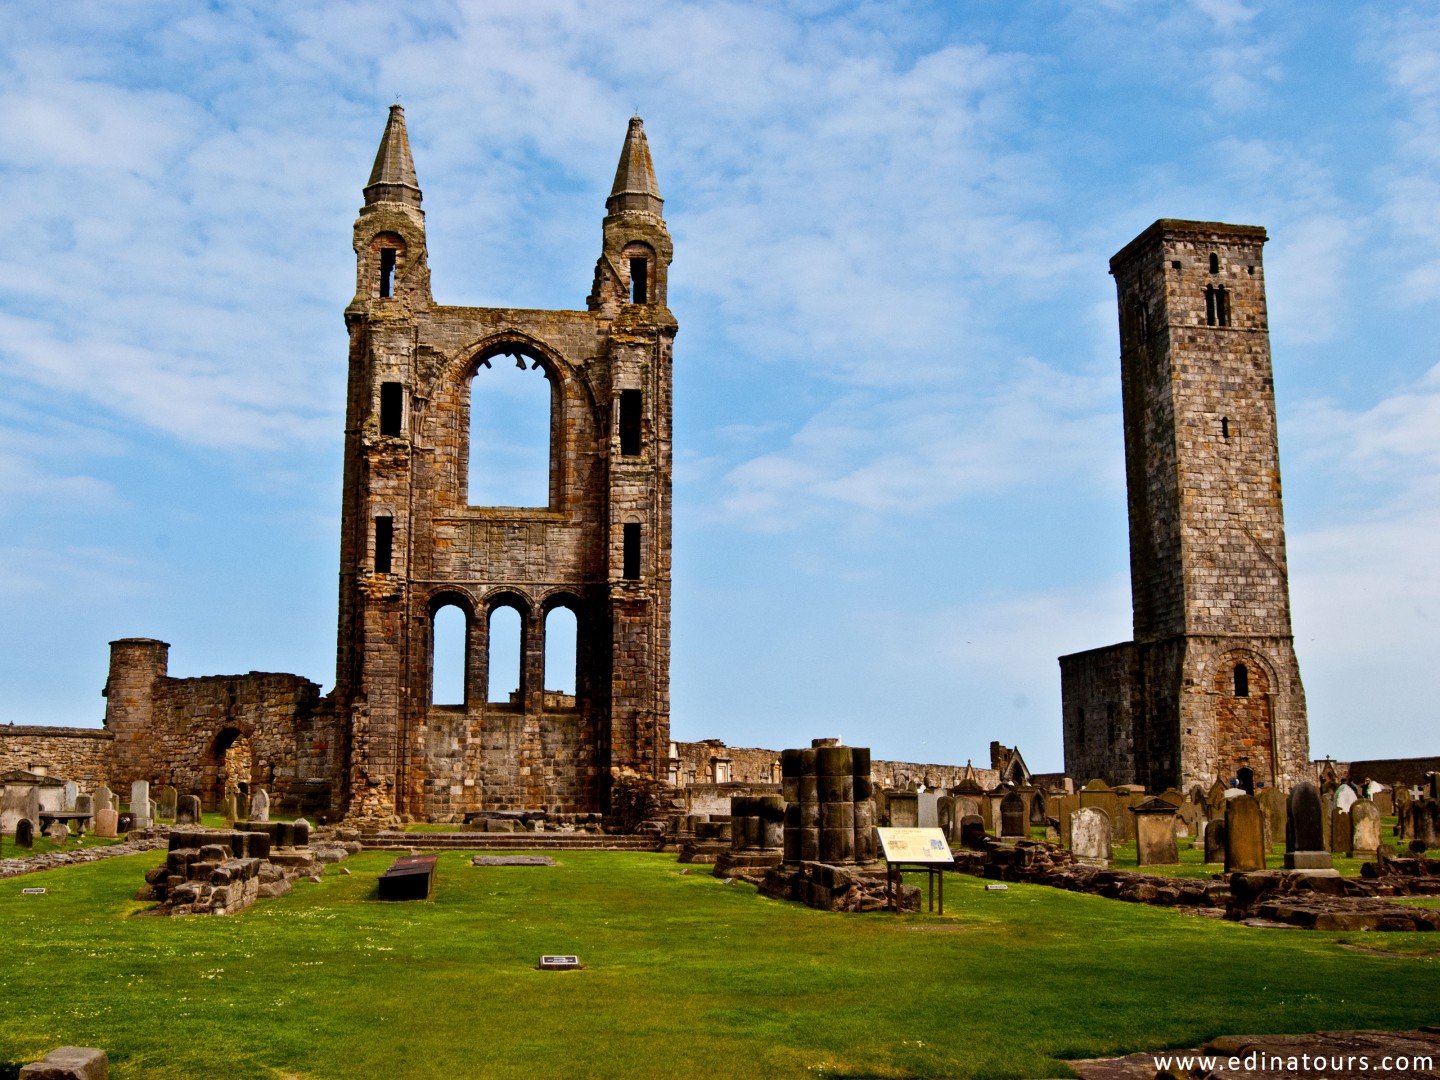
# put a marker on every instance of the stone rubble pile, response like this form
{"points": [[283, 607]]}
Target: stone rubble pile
{"points": [[836, 888]]}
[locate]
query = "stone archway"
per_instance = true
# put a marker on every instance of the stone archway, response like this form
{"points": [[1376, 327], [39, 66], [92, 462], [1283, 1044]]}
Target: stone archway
{"points": [[229, 763]]}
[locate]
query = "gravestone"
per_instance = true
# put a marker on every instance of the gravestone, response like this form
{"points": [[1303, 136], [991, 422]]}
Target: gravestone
{"points": [[107, 823], [187, 810], [140, 803], [1274, 806], [167, 802], [1383, 798], [1014, 821], [1345, 797], [1423, 823], [1244, 834], [1340, 836], [1402, 799], [972, 831], [58, 833], [25, 833], [72, 792], [1215, 798], [1305, 830], [260, 805], [947, 822], [1039, 808], [1155, 833], [1090, 836], [85, 804], [904, 809], [1215, 841], [105, 799], [18, 800], [1098, 793], [1364, 829], [230, 808]]}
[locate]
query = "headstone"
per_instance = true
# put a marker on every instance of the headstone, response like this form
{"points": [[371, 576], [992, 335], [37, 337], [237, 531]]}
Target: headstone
{"points": [[72, 792], [1305, 830], [25, 833], [140, 803], [1275, 807], [260, 805], [1345, 797], [85, 804], [302, 829], [1364, 829], [1215, 841], [972, 831], [17, 801], [230, 809], [946, 819], [107, 823], [167, 801], [1039, 808], [58, 833], [1090, 836], [187, 810], [1013, 819], [1383, 799], [1244, 834], [1215, 798], [1097, 793], [1340, 834], [1402, 799], [105, 799], [1155, 833], [1422, 822]]}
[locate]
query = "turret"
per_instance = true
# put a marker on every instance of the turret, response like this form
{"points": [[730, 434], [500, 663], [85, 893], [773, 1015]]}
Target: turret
{"points": [[635, 259], [390, 231]]}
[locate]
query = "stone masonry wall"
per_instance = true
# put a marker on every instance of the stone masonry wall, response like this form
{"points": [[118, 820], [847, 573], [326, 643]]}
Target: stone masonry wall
{"points": [[79, 754], [755, 765]]}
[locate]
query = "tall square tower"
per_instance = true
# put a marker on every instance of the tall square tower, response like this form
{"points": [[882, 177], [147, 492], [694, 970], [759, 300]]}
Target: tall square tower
{"points": [[1210, 685]]}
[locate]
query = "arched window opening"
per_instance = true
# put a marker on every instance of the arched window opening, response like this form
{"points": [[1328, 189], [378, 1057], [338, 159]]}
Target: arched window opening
{"points": [[561, 632], [1214, 263], [447, 655], [1242, 681], [511, 407], [639, 281], [387, 272], [1246, 776], [504, 664], [630, 409], [631, 554], [1224, 427]]}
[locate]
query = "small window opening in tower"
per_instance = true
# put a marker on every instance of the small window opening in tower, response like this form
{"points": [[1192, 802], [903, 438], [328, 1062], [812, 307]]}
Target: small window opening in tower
{"points": [[1209, 305], [1214, 263], [630, 422], [392, 407], [1174, 264], [1224, 427], [639, 285], [387, 271], [1222, 306], [631, 568], [1242, 681], [384, 541]]}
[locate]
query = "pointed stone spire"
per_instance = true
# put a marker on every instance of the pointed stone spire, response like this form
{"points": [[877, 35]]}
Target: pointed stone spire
{"points": [[635, 189], [392, 180]]}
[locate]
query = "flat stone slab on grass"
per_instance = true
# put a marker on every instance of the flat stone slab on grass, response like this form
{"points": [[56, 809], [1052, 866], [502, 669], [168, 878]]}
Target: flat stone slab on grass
{"points": [[512, 860], [1280, 1057]]}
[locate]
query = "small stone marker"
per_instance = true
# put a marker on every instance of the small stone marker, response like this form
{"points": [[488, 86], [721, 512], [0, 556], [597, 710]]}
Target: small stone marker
{"points": [[513, 860], [1244, 834], [567, 963], [1365, 829], [260, 805], [1340, 831], [107, 822], [1155, 833], [69, 1063], [997, 888], [32, 890], [167, 802], [1215, 840], [58, 833], [1090, 836], [140, 803], [187, 810], [25, 833], [1305, 830]]}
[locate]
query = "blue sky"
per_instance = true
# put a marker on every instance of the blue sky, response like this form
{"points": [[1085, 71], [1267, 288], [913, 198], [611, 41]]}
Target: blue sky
{"points": [[899, 491]]}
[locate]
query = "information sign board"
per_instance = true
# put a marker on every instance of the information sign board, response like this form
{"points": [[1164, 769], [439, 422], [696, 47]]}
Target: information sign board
{"points": [[914, 846]]}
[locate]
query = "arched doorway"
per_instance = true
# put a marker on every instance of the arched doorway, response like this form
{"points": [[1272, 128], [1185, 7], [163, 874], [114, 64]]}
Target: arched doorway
{"points": [[230, 763]]}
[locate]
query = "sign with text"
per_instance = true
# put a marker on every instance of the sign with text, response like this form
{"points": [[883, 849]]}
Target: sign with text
{"points": [[914, 846]]}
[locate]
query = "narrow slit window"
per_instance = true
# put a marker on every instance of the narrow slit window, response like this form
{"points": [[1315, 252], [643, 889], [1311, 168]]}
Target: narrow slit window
{"points": [[387, 271], [1214, 263], [384, 543], [1242, 681], [1222, 306], [1210, 305], [392, 406], [1224, 427], [639, 284], [629, 422], [631, 569]]}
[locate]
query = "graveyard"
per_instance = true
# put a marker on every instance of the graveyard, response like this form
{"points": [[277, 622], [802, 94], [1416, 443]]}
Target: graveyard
{"points": [[683, 975]]}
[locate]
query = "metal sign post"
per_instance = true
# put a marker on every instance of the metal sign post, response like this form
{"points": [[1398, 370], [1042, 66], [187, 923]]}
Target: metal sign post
{"points": [[915, 849]]}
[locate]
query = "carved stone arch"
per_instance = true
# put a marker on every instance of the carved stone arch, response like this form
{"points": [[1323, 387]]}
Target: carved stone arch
{"points": [[1220, 675], [229, 749], [438, 598], [1243, 726]]}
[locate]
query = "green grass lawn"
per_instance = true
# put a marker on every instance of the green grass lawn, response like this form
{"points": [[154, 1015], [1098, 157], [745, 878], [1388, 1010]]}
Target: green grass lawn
{"points": [[685, 976]]}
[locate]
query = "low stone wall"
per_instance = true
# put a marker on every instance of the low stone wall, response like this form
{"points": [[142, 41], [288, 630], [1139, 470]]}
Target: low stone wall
{"points": [[747, 766], [79, 754]]}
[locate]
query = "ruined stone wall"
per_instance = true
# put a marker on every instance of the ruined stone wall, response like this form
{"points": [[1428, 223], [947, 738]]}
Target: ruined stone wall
{"points": [[598, 546], [1097, 693], [754, 765], [79, 754], [1411, 772]]}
